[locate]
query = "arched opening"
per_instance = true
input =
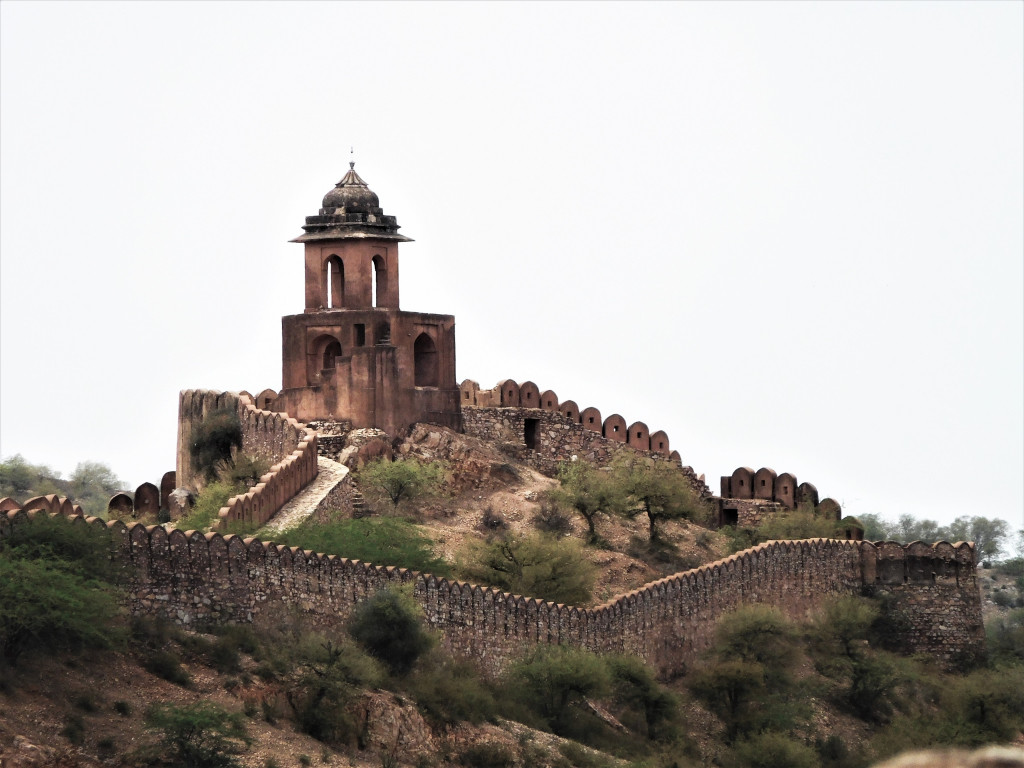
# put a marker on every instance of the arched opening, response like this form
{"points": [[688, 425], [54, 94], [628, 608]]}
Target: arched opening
{"points": [[380, 282], [425, 361], [331, 353], [334, 283]]}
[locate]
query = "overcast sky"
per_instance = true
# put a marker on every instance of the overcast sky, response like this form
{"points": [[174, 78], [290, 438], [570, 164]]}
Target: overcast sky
{"points": [[790, 235]]}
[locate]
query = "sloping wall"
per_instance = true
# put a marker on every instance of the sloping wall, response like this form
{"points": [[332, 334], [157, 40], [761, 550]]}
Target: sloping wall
{"points": [[196, 579]]}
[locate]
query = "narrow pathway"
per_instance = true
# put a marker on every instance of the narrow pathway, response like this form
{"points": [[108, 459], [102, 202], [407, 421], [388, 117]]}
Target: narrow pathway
{"points": [[329, 474]]}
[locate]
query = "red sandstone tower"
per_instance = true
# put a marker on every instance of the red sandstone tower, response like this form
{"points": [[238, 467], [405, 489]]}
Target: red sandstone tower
{"points": [[352, 354]]}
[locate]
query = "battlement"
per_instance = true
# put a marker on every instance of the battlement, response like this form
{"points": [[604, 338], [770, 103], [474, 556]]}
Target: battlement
{"points": [[195, 579]]}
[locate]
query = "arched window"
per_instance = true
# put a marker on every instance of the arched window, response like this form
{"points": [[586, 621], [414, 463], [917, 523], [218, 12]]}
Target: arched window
{"points": [[334, 283], [331, 353], [425, 361], [380, 282]]}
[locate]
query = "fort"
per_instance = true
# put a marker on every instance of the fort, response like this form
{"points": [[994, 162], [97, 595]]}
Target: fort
{"points": [[352, 360]]}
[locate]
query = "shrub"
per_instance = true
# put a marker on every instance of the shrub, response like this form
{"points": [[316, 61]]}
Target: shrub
{"points": [[83, 550], [202, 735], [389, 626], [774, 750], [588, 491], [46, 607], [166, 665], [208, 503], [381, 541], [449, 691], [554, 681], [635, 688], [487, 755], [550, 518], [535, 565], [213, 440], [400, 481]]}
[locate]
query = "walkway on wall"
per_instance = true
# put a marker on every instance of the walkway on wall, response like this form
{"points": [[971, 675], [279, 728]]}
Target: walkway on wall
{"points": [[329, 474]]}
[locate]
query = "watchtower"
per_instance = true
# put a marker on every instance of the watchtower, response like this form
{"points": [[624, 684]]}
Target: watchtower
{"points": [[353, 354]]}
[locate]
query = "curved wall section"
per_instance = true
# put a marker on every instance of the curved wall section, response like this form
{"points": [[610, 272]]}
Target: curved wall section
{"points": [[191, 578]]}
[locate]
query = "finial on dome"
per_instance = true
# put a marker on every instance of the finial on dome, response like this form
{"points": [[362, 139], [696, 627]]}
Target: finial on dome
{"points": [[352, 162]]}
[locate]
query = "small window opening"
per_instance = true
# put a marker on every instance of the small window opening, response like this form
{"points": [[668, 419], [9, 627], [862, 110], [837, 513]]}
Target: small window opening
{"points": [[785, 489], [639, 435], [615, 428], [741, 483], [360, 335], [762, 483], [531, 433], [378, 282], [465, 395], [590, 419], [661, 446], [730, 517]]}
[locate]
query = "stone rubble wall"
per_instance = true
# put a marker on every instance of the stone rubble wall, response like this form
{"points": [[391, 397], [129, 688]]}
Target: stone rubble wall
{"points": [[291, 448], [558, 439], [195, 579]]}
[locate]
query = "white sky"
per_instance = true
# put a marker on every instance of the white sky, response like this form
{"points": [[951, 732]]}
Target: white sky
{"points": [[790, 235]]}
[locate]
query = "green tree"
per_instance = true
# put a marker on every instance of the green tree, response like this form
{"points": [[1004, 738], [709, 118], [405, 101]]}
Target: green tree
{"points": [[21, 480], [45, 607], [747, 680], [554, 681], [988, 534], [201, 735], [56, 588], [390, 627], [404, 480], [536, 565], [634, 687], [92, 484], [590, 492], [658, 490], [381, 541], [332, 675]]}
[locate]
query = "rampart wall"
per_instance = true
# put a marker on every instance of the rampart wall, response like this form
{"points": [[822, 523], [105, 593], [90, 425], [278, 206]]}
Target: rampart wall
{"points": [[291, 448], [546, 438], [195, 579]]}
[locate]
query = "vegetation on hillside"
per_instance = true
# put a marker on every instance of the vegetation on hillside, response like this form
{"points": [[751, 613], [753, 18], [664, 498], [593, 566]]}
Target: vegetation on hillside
{"points": [[400, 482], [90, 485], [991, 536]]}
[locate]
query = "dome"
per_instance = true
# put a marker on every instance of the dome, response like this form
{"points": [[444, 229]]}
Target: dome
{"points": [[352, 194]]}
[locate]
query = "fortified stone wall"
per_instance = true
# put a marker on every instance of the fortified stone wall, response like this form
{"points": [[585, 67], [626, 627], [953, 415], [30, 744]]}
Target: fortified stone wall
{"points": [[543, 439], [509, 394], [291, 448], [194, 579]]}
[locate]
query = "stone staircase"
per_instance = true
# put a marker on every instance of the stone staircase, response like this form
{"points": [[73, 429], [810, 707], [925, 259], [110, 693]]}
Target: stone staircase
{"points": [[329, 474]]}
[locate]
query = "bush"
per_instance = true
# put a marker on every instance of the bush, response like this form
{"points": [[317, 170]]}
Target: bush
{"points": [[83, 550], [554, 681], [487, 755], [381, 541], [449, 691], [332, 674], [46, 607], [208, 504], [535, 565], [213, 440], [552, 519], [389, 626], [400, 481], [202, 735], [774, 750], [167, 666]]}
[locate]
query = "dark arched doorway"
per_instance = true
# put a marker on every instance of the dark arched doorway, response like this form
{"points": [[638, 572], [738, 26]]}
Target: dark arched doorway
{"points": [[425, 361]]}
